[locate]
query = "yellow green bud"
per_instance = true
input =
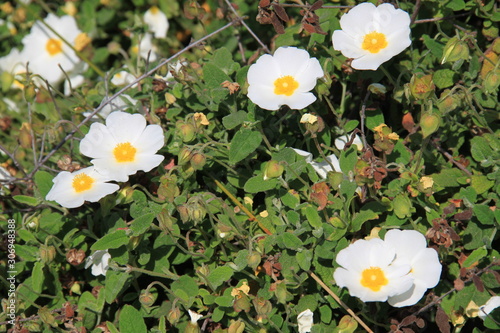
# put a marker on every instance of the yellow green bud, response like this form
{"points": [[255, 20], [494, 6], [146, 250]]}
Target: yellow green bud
{"points": [[421, 87], [236, 327], [456, 49], [429, 122], [198, 161], [147, 298], [47, 253], [272, 169]]}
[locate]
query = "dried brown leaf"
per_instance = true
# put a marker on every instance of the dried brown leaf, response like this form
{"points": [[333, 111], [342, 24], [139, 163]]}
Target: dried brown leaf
{"points": [[264, 3], [308, 27], [278, 26], [408, 320], [316, 5], [442, 320], [280, 11], [463, 216], [478, 283]]}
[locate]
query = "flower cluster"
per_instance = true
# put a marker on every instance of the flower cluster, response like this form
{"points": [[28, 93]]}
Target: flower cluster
{"points": [[118, 149], [398, 269]]}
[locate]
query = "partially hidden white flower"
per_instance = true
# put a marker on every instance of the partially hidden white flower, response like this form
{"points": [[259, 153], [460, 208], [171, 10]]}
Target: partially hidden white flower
{"points": [[285, 78], [368, 271], [123, 146], [372, 35], [122, 78], [305, 321], [411, 249], [4, 175], [321, 168], [491, 304], [194, 317], [340, 142], [72, 189], [45, 51], [146, 49], [14, 64], [157, 22], [99, 261], [120, 103]]}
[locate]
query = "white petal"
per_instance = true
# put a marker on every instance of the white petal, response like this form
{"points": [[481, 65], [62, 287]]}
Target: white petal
{"points": [[305, 321], [291, 60], [151, 139], [491, 304], [358, 19], [264, 72], [309, 76], [125, 127], [307, 155], [265, 97], [299, 100]]}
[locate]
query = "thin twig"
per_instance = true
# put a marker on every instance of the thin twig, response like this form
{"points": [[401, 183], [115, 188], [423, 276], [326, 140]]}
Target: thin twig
{"points": [[13, 158], [338, 300], [307, 6], [440, 18], [128, 86], [415, 11], [451, 159]]}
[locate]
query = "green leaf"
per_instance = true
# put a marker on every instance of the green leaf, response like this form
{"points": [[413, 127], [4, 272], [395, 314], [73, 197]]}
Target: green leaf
{"points": [[435, 47], [443, 78], [43, 181], [290, 241], [481, 183], [27, 200], [234, 119], [141, 224], [304, 258], [484, 214], [456, 5], [115, 284], [185, 288], [480, 149], [243, 144], [374, 118], [475, 256], [112, 328], [37, 277], [360, 218], [111, 241], [447, 178], [348, 159], [258, 184], [313, 217], [219, 275], [226, 301], [131, 320]]}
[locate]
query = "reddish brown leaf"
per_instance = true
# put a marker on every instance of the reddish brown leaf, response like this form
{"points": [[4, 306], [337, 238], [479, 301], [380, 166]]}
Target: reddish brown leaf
{"points": [[278, 26], [316, 5], [408, 122], [463, 216], [309, 28], [478, 283], [320, 31], [280, 12], [420, 323], [442, 320], [449, 209], [264, 3], [458, 284]]}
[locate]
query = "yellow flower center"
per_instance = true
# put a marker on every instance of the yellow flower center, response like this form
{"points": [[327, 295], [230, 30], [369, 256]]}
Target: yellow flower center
{"points": [[154, 10], [285, 85], [374, 42], [124, 152], [373, 278], [53, 46], [82, 182]]}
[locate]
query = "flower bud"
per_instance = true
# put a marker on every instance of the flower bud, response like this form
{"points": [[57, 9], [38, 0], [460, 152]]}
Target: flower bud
{"points": [[421, 87], [242, 303], [196, 210], [254, 259], [347, 324], [25, 135], [429, 122], [76, 288], [6, 80], [455, 50], [147, 298], [263, 307], [170, 99], [29, 93], [184, 156], [185, 131], [377, 89], [198, 161], [32, 223], [236, 327], [125, 195], [173, 316], [317, 127], [183, 212], [491, 82], [47, 253], [272, 169]]}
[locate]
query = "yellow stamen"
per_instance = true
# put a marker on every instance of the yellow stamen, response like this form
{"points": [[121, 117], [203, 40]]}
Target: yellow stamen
{"points": [[374, 42], [285, 85], [124, 152], [82, 182], [154, 10], [373, 278], [53, 46]]}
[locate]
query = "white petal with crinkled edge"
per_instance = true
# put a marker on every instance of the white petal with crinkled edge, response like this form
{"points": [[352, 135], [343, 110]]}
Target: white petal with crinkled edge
{"points": [[491, 304]]}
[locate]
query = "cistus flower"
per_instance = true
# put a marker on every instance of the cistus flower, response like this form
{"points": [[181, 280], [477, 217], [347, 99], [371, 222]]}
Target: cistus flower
{"points": [[157, 22], [46, 51], [340, 142], [72, 189], [12, 64], [321, 168], [491, 304], [121, 103], [99, 261], [411, 249], [372, 35], [305, 321], [369, 272], [284, 78], [123, 146]]}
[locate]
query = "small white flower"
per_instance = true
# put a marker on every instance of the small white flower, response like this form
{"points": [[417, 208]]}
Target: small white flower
{"points": [[411, 249], [122, 78], [305, 321], [45, 51], [146, 49], [491, 304], [99, 261], [372, 35], [4, 175], [194, 316], [72, 189], [340, 142], [123, 146], [322, 168], [284, 78], [157, 22], [14, 64], [369, 273], [120, 103]]}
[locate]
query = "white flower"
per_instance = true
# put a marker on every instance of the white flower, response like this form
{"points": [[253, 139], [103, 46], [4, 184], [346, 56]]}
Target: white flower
{"points": [[120, 103], [305, 321], [146, 49], [411, 249], [372, 35], [4, 175], [322, 168], [194, 316], [491, 304], [14, 64], [176, 69], [284, 79], [340, 142], [157, 22], [122, 78], [45, 51], [123, 146], [369, 273], [99, 261], [71, 189]]}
